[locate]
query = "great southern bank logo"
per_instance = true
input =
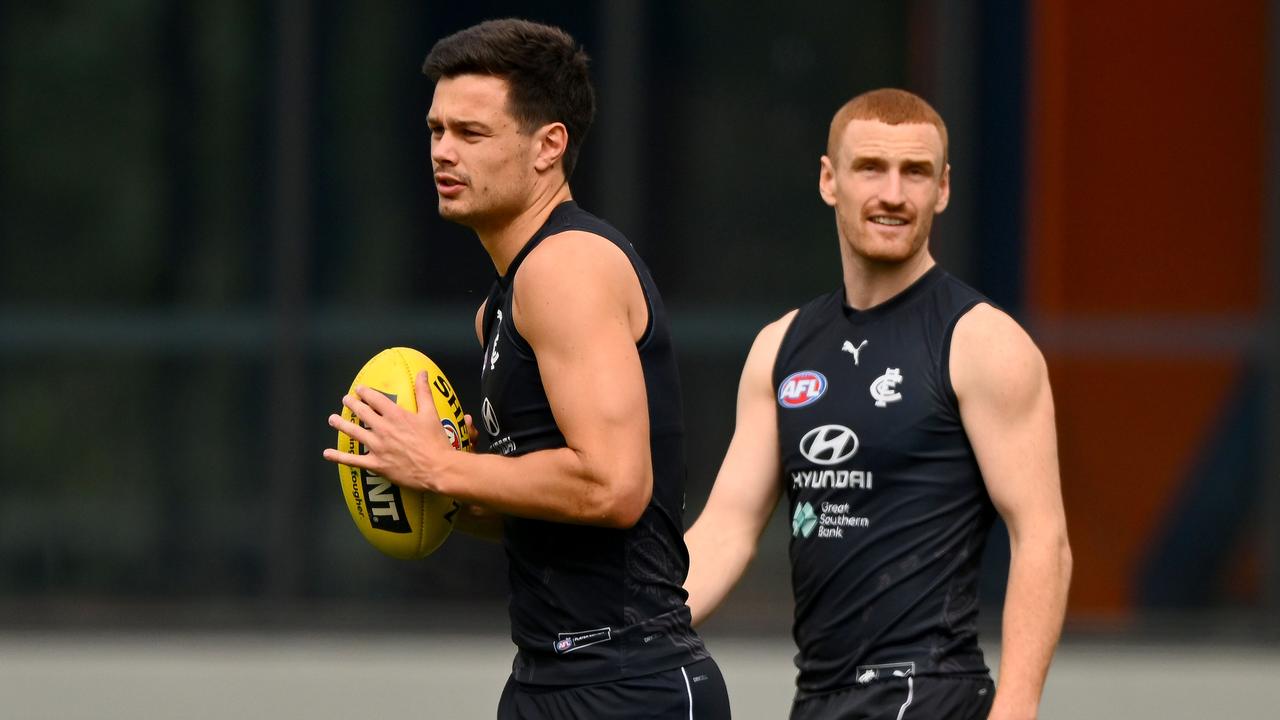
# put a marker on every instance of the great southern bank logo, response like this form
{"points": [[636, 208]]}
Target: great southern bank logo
{"points": [[803, 521], [801, 388]]}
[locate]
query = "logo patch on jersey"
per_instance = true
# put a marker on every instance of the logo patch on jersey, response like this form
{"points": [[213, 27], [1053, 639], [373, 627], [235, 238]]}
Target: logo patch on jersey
{"points": [[885, 388], [490, 418], [570, 641], [867, 673], [802, 388], [829, 444], [803, 521], [849, 348], [493, 349], [831, 521]]}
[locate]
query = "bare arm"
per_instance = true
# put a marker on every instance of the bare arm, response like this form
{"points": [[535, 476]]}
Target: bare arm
{"points": [[723, 540], [584, 339], [476, 520], [1007, 409]]}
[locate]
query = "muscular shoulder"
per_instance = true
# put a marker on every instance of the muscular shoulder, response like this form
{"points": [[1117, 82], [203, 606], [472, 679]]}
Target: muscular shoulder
{"points": [[993, 356], [764, 351], [572, 262], [770, 336], [570, 274]]}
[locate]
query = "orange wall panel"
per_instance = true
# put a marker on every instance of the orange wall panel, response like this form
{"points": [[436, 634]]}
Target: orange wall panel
{"points": [[1146, 184], [1150, 145], [1126, 432]]}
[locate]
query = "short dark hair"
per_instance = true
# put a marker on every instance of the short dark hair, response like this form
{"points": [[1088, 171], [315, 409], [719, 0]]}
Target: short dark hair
{"points": [[545, 70]]}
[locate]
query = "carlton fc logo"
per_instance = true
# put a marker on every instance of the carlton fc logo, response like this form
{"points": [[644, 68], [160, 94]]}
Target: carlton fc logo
{"points": [[885, 388], [802, 388]]}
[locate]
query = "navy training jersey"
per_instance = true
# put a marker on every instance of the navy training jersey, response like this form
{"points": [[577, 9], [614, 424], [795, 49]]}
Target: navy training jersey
{"points": [[889, 510], [590, 604]]}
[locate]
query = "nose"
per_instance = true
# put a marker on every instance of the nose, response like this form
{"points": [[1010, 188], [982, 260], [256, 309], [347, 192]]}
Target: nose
{"points": [[442, 150], [891, 191]]}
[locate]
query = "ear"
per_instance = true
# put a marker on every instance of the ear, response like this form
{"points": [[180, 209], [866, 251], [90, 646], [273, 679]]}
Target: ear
{"points": [[550, 143], [827, 181], [944, 190]]}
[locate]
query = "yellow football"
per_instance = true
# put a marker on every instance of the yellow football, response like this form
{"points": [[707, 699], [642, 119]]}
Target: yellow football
{"points": [[402, 523]]}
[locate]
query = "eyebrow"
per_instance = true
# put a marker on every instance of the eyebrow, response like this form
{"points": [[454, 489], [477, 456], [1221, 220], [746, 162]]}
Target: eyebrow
{"points": [[461, 124], [924, 163]]}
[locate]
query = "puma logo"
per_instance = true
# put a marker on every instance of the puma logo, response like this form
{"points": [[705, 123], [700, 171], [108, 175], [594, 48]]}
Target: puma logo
{"points": [[849, 348]]}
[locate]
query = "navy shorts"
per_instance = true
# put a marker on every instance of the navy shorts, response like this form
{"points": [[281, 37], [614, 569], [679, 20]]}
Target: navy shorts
{"points": [[695, 691], [928, 697]]}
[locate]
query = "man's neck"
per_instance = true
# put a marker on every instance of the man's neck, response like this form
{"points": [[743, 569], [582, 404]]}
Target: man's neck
{"points": [[504, 241], [868, 283]]}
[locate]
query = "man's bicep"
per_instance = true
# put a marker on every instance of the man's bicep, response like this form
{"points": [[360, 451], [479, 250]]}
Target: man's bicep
{"points": [[1007, 409], [593, 378], [587, 358], [1017, 454]]}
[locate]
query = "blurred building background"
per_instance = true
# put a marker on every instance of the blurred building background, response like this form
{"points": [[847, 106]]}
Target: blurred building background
{"points": [[213, 212]]}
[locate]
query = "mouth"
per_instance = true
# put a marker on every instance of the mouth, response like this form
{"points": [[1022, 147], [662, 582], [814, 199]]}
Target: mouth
{"points": [[888, 220], [448, 185]]}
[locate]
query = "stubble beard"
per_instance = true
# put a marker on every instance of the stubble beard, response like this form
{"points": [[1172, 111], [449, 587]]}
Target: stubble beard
{"points": [[865, 247], [492, 212], [452, 213]]}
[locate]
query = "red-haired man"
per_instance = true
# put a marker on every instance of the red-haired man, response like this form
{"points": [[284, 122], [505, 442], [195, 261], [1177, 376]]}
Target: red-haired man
{"points": [[899, 414]]}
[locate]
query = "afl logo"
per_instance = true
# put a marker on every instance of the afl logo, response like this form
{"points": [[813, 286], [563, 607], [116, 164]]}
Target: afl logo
{"points": [[451, 434], [829, 444], [802, 388]]}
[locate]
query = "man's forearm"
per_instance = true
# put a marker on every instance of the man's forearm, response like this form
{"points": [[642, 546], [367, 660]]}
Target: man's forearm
{"points": [[553, 484], [1035, 603], [716, 563]]}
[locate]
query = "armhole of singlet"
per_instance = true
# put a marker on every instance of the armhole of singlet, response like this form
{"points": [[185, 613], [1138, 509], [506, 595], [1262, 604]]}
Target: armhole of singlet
{"points": [[774, 380], [509, 329], [486, 322], [945, 362], [647, 334]]}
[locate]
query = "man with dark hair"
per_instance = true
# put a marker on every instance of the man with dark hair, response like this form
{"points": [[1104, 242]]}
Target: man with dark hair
{"points": [[899, 413], [584, 470]]}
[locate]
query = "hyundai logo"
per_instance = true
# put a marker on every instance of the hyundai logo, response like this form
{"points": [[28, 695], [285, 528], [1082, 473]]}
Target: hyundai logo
{"points": [[829, 444], [490, 418]]}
